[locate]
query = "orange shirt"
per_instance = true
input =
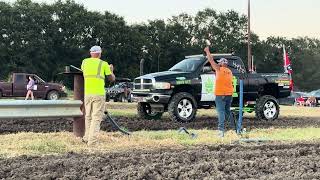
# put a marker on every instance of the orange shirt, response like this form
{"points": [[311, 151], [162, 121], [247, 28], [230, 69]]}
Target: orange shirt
{"points": [[224, 85]]}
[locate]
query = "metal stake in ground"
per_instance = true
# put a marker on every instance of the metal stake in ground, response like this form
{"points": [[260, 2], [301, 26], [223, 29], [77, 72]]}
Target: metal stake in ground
{"points": [[78, 87], [79, 123], [183, 129], [239, 124]]}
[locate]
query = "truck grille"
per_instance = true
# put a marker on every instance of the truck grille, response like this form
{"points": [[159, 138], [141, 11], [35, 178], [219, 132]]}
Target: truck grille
{"points": [[142, 84]]}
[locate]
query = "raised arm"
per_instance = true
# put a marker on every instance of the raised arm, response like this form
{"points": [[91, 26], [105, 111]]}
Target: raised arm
{"points": [[111, 76], [214, 65]]}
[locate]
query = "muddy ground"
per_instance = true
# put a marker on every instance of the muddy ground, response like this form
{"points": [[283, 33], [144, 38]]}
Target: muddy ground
{"points": [[269, 161], [135, 124], [246, 161]]}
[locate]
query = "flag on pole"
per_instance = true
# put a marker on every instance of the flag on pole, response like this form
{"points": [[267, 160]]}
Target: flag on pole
{"points": [[287, 66], [287, 62]]}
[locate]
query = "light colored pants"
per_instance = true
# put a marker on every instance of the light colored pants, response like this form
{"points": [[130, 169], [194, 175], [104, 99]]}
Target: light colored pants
{"points": [[95, 107]]}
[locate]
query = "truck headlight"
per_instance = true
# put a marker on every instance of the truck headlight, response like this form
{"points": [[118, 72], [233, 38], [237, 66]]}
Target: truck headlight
{"points": [[162, 85]]}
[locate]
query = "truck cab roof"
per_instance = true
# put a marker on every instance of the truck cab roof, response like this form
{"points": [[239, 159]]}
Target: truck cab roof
{"points": [[214, 55], [235, 62]]}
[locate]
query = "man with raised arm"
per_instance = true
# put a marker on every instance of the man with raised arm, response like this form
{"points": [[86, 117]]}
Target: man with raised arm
{"points": [[223, 90]]}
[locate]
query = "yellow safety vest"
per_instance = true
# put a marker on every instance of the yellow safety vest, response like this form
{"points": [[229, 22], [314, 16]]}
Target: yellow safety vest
{"points": [[94, 72]]}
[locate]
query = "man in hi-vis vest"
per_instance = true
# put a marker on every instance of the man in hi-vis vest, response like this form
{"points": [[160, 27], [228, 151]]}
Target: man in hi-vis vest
{"points": [[94, 71]]}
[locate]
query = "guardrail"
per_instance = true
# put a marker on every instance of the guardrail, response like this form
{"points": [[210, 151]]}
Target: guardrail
{"points": [[40, 109], [50, 109]]}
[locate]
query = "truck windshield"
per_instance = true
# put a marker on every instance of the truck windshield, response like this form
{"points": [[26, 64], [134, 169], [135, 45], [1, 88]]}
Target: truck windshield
{"points": [[187, 65], [38, 79]]}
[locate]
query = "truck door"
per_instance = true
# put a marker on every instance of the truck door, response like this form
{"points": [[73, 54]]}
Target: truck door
{"points": [[252, 87], [207, 78], [40, 89], [19, 85]]}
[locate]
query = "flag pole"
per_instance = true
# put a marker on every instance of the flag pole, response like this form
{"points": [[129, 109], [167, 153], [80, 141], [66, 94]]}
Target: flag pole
{"points": [[285, 66], [252, 63], [249, 37], [284, 59]]}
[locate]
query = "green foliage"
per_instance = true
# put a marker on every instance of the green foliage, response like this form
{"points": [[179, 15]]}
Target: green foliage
{"points": [[46, 147], [43, 39]]}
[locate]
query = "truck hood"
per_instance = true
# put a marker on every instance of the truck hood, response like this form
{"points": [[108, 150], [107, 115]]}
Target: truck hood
{"points": [[54, 85], [115, 89], [166, 75]]}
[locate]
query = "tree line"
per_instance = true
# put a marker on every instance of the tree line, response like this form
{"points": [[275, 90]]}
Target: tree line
{"points": [[44, 38]]}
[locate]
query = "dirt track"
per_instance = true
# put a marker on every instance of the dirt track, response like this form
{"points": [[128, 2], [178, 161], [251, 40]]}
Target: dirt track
{"points": [[270, 161], [134, 124]]}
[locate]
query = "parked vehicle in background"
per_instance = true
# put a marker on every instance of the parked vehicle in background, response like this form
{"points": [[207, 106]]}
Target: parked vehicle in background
{"points": [[312, 98], [291, 100], [17, 87], [120, 91], [316, 94], [301, 98]]}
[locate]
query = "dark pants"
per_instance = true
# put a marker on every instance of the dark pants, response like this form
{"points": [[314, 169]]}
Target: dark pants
{"points": [[223, 105]]}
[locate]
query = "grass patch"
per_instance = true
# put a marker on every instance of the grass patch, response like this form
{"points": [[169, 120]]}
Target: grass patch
{"points": [[290, 134], [45, 147], [37, 144], [122, 112], [297, 111], [121, 105], [59, 143], [129, 109]]}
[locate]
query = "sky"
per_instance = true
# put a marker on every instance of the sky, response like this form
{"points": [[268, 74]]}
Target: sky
{"points": [[288, 18]]}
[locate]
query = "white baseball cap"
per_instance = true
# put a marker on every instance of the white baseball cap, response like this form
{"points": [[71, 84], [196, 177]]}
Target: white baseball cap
{"points": [[223, 61], [95, 49]]}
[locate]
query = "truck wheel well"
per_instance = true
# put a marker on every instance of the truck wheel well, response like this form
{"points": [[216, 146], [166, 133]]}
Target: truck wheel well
{"points": [[50, 91], [183, 88], [269, 89]]}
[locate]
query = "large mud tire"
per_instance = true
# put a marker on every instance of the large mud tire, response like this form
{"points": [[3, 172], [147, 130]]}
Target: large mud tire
{"points": [[267, 108], [53, 95], [145, 112], [182, 107]]}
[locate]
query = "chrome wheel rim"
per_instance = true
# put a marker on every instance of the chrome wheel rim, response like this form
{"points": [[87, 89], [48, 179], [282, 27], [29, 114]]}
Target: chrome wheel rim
{"points": [[53, 96], [185, 108], [269, 110]]}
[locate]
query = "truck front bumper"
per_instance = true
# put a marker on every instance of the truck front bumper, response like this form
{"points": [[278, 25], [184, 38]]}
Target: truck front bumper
{"points": [[151, 98], [63, 94]]}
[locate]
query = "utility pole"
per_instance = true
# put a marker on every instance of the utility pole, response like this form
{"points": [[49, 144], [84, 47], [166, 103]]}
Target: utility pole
{"points": [[144, 50], [158, 61], [249, 38]]}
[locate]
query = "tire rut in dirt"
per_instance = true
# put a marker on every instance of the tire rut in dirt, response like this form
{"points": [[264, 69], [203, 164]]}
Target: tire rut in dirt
{"points": [[269, 161], [135, 124]]}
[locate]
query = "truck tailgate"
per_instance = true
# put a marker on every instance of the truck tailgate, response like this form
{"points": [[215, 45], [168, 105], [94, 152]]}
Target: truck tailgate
{"points": [[6, 88]]}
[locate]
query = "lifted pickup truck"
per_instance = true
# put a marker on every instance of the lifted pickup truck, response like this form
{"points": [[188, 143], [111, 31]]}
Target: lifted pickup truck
{"points": [[190, 84], [17, 88]]}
